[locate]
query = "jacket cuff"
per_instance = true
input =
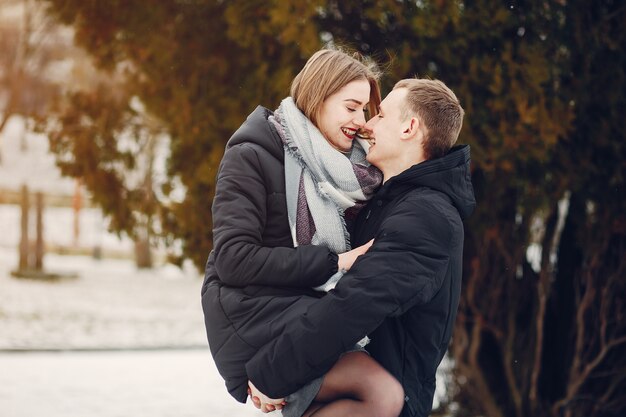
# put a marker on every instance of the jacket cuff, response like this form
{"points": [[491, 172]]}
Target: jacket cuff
{"points": [[333, 260], [331, 283]]}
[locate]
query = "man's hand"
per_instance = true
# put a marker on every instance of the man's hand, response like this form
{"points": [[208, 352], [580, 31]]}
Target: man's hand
{"points": [[262, 401]]}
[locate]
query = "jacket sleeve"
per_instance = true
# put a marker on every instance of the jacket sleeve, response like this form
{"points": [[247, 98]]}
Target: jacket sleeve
{"points": [[405, 267], [239, 219]]}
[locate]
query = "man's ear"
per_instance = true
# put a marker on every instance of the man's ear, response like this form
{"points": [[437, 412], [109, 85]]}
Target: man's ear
{"points": [[410, 128]]}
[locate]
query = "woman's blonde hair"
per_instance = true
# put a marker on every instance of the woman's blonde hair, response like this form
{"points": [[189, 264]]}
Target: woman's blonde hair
{"points": [[325, 73]]}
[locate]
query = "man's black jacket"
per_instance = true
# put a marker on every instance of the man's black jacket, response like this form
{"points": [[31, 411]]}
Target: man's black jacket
{"points": [[404, 292]]}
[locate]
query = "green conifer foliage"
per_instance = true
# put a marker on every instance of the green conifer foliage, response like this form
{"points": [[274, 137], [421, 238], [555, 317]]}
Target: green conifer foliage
{"points": [[199, 67]]}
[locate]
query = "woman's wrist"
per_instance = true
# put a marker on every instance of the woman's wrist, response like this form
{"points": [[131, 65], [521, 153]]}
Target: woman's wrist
{"points": [[342, 262]]}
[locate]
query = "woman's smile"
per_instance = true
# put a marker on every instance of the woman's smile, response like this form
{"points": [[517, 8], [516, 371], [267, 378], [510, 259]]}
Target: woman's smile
{"points": [[349, 132]]}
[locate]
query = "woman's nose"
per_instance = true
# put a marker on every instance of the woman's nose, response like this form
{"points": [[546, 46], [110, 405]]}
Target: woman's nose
{"points": [[359, 120]]}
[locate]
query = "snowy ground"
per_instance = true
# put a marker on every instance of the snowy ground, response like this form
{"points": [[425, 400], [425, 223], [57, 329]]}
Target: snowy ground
{"points": [[115, 384], [110, 306]]}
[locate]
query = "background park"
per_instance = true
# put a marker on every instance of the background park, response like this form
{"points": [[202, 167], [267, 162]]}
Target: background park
{"points": [[118, 113]]}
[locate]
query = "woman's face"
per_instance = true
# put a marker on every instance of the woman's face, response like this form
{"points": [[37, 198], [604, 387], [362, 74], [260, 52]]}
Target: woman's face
{"points": [[343, 113]]}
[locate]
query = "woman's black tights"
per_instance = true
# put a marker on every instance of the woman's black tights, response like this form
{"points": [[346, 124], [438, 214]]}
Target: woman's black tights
{"points": [[357, 386]]}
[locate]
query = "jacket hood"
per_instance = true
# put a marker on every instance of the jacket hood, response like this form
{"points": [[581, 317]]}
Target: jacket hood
{"points": [[449, 174], [256, 129]]}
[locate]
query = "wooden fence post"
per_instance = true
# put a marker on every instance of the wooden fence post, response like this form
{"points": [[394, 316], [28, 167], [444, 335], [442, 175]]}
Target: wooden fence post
{"points": [[25, 206], [77, 203], [39, 249]]}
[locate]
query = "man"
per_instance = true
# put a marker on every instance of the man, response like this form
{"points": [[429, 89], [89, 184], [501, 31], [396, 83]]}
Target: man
{"points": [[404, 292]]}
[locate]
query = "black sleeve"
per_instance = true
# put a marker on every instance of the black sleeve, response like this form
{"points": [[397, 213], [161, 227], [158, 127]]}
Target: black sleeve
{"points": [[239, 218], [405, 267]]}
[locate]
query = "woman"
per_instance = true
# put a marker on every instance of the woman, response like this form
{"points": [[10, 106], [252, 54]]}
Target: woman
{"points": [[287, 185]]}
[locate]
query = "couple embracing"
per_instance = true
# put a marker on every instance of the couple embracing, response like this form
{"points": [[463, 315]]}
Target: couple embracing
{"points": [[295, 317]]}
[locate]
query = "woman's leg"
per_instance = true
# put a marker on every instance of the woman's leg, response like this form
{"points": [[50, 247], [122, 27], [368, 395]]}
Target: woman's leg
{"points": [[358, 386]]}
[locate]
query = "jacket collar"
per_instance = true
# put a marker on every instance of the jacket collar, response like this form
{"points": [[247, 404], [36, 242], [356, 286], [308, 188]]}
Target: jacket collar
{"points": [[449, 174], [256, 129]]}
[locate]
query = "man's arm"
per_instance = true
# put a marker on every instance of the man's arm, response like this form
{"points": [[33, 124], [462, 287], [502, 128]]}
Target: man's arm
{"points": [[405, 267]]}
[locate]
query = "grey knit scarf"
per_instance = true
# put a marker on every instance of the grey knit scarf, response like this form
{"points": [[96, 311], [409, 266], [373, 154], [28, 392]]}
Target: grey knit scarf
{"points": [[323, 186]]}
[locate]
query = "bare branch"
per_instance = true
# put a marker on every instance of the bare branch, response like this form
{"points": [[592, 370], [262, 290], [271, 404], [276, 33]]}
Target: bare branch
{"points": [[543, 289]]}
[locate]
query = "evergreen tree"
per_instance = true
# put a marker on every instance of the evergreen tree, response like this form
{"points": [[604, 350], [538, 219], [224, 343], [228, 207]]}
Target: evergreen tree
{"points": [[200, 67]]}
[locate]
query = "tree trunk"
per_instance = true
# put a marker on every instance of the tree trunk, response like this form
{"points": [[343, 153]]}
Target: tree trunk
{"points": [[39, 245], [3, 121], [24, 244], [143, 256], [76, 206]]}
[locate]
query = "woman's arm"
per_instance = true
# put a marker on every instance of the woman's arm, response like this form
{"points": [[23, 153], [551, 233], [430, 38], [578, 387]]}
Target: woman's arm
{"points": [[239, 220]]}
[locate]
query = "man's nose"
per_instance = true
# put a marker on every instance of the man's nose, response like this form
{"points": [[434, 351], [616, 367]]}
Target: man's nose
{"points": [[370, 124]]}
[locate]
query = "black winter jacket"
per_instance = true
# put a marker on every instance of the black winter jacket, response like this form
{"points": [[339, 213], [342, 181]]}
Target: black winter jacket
{"points": [[404, 292], [254, 272]]}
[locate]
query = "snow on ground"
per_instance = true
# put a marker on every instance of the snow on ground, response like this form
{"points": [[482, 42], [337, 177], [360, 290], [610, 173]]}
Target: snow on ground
{"points": [[113, 306], [115, 384], [110, 305]]}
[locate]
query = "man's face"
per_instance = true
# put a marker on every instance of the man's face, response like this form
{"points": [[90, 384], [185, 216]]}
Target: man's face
{"points": [[385, 130]]}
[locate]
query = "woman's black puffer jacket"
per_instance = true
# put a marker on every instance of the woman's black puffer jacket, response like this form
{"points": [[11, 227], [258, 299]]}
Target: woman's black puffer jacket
{"points": [[254, 274]]}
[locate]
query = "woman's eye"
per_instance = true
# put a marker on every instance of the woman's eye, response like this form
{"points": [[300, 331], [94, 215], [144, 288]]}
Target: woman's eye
{"points": [[351, 109]]}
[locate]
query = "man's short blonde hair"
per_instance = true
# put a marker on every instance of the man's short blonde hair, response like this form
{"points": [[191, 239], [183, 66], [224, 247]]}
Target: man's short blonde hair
{"points": [[439, 110], [325, 73]]}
